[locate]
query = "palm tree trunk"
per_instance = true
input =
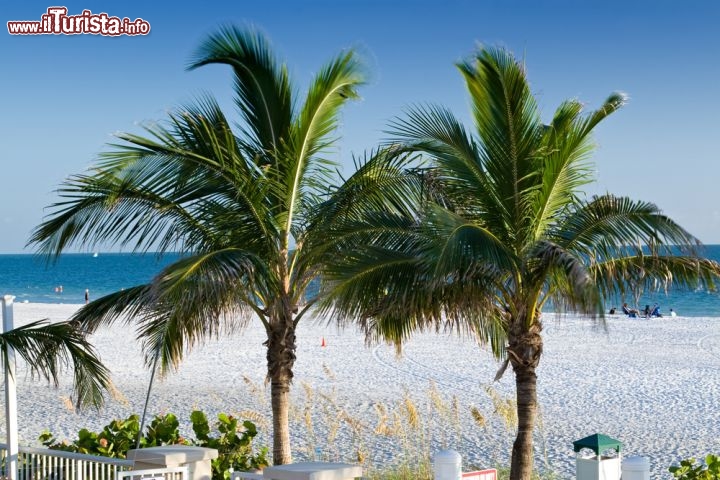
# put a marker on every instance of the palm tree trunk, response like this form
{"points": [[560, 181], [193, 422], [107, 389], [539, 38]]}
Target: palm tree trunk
{"points": [[521, 466], [281, 359], [525, 349]]}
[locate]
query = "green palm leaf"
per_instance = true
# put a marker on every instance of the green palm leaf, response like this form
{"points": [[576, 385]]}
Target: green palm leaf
{"points": [[507, 121], [262, 86], [305, 172], [618, 221], [190, 197], [48, 348], [566, 162]]}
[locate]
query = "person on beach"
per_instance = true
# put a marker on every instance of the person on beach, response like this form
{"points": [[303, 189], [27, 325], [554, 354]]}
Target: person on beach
{"points": [[655, 311], [672, 313], [631, 312], [646, 311], [87, 296]]}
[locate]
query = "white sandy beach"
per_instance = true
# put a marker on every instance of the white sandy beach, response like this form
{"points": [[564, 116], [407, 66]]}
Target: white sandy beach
{"points": [[652, 384]]}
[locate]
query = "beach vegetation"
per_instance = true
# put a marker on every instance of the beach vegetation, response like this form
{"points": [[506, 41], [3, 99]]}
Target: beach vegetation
{"points": [[233, 442], [401, 439], [502, 229], [232, 439], [234, 197], [689, 469], [115, 439]]}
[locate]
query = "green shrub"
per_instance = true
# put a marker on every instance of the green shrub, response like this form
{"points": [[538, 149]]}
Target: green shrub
{"points": [[115, 439], [234, 445], [688, 470], [232, 441]]}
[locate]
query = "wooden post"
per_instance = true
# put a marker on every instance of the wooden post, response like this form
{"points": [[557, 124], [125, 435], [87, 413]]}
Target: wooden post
{"points": [[11, 462]]}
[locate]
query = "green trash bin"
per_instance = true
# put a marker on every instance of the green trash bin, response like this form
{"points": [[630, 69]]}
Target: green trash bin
{"points": [[598, 458]]}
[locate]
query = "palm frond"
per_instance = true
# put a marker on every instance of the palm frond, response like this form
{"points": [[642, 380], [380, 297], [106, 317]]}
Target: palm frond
{"points": [[566, 168], [190, 178], [122, 307], [199, 297], [613, 103], [262, 86], [459, 165], [372, 255], [390, 295], [566, 279], [305, 173], [508, 127], [47, 348], [613, 221], [382, 184], [636, 272], [382, 280], [458, 161], [434, 130], [462, 246], [631, 246]]}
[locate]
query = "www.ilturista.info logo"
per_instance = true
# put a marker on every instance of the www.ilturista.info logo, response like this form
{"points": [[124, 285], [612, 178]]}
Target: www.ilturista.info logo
{"points": [[57, 22]]}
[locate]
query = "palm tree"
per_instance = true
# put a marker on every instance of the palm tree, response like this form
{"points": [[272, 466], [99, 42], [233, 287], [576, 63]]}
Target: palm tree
{"points": [[236, 203], [503, 229], [49, 347]]}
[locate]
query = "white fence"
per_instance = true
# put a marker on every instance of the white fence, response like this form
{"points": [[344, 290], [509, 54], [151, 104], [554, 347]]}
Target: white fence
{"points": [[45, 464], [169, 473], [246, 476]]}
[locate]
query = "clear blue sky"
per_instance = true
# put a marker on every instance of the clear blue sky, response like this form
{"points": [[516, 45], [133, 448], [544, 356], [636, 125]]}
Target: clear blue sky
{"points": [[64, 96]]}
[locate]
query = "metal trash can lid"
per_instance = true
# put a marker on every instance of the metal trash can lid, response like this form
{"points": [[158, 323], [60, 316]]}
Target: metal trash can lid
{"points": [[635, 464], [448, 456]]}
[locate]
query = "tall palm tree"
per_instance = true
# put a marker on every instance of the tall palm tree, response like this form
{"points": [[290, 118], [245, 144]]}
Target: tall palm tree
{"points": [[49, 347], [502, 229], [235, 202]]}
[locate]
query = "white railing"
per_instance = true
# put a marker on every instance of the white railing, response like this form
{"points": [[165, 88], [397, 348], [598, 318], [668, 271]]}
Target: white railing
{"points": [[45, 464], [169, 473], [246, 476]]}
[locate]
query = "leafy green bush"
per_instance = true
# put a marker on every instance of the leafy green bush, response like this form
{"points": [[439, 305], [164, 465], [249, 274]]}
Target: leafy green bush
{"points": [[232, 441], [688, 470], [114, 440], [234, 451]]}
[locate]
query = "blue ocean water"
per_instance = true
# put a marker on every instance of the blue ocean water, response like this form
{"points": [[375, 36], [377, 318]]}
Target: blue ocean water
{"points": [[30, 278]]}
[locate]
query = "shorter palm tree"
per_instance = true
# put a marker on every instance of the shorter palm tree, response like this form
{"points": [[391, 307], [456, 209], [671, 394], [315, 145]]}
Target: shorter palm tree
{"points": [[500, 228]]}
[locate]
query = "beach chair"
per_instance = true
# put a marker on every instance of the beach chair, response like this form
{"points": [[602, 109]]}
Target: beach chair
{"points": [[632, 313]]}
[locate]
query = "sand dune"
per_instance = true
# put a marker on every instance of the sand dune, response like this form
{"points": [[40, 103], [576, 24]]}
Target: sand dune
{"points": [[653, 384]]}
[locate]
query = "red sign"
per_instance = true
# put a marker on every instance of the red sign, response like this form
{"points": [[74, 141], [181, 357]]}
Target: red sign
{"points": [[489, 474]]}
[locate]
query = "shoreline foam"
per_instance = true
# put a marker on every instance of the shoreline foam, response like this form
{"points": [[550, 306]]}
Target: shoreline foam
{"points": [[652, 384]]}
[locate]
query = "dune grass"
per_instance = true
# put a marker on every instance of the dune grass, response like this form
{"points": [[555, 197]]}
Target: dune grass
{"points": [[416, 425]]}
